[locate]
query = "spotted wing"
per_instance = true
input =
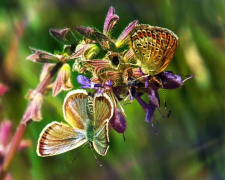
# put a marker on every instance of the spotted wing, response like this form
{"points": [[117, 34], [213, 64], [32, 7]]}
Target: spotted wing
{"points": [[57, 138], [75, 109], [101, 140], [154, 47]]}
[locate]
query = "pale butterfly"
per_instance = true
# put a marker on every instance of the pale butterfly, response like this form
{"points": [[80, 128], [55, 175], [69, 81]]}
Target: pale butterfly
{"points": [[87, 119]]}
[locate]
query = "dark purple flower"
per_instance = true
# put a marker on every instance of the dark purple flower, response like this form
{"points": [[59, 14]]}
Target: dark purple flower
{"points": [[118, 122], [170, 80], [154, 102]]}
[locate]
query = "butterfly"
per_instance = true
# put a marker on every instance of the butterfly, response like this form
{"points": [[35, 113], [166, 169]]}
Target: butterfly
{"points": [[87, 119], [153, 47]]}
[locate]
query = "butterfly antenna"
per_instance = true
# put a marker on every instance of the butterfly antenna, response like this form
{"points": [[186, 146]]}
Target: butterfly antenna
{"points": [[78, 152], [91, 147], [164, 99], [141, 77]]}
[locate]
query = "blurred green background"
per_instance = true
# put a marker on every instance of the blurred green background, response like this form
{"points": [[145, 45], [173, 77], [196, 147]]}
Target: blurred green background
{"points": [[189, 145]]}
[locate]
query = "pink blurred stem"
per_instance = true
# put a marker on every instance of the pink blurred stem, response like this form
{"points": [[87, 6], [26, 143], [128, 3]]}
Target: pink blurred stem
{"points": [[25, 121]]}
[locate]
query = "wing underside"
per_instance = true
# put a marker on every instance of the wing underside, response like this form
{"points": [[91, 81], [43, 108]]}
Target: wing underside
{"points": [[101, 141], [57, 138]]}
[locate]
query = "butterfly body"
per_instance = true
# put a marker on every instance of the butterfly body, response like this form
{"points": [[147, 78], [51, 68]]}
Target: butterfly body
{"points": [[153, 47], [87, 120]]}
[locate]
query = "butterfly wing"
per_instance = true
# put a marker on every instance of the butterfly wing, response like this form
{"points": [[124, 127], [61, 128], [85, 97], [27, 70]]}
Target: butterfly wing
{"points": [[75, 109], [57, 138], [102, 109], [102, 113], [101, 141], [154, 47]]}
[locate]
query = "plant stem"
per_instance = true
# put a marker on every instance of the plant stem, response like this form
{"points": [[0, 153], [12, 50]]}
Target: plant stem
{"points": [[25, 121]]}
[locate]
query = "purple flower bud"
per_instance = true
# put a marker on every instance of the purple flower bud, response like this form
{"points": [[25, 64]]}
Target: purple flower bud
{"points": [[63, 80], [42, 56], [122, 39], [110, 21], [64, 36], [85, 82], [118, 122], [170, 80]]}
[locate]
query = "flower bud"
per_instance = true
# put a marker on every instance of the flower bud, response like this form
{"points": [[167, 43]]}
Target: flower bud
{"points": [[64, 36], [110, 21], [42, 56], [63, 80], [118, 122]]}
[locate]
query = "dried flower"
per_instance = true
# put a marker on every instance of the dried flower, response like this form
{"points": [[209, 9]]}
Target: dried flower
{"points": [[34, 108], [63, 80]]}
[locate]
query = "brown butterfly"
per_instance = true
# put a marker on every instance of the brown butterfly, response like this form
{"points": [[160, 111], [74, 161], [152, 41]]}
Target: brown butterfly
{"points": [[154, 47]]}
